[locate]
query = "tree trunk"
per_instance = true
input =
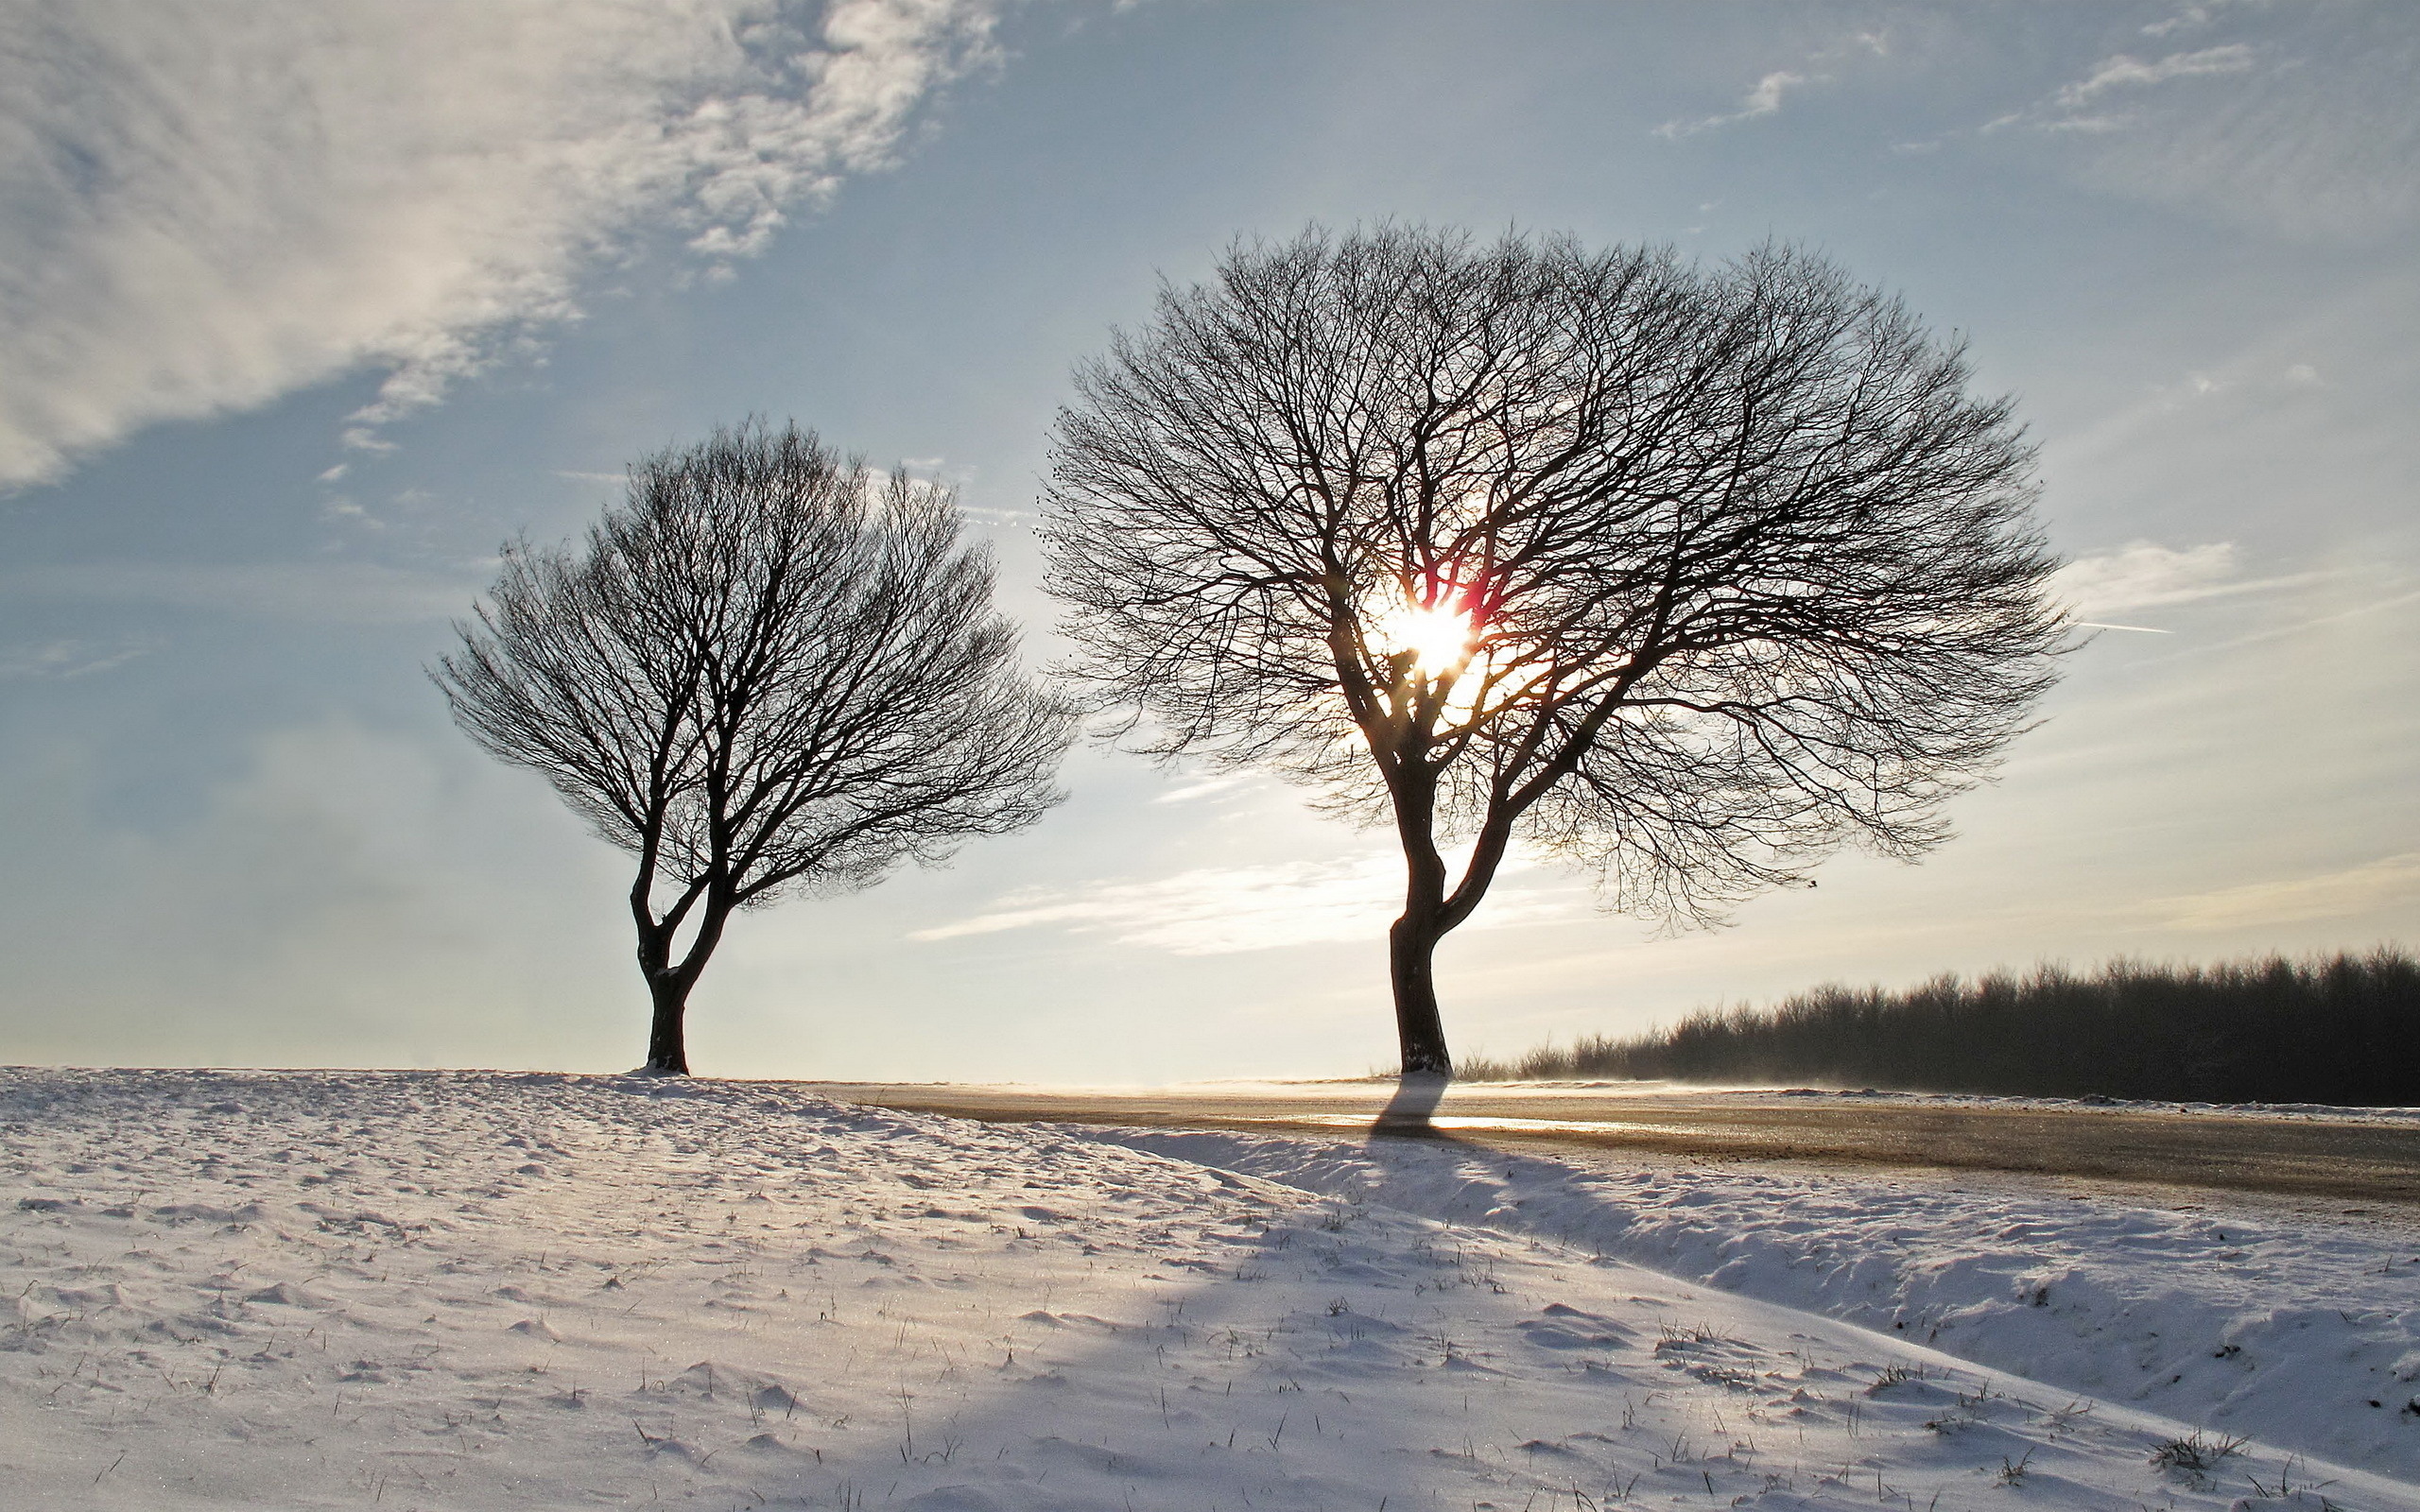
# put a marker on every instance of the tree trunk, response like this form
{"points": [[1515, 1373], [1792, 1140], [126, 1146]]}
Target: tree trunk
{"points": [[669, 982], [1411, 945], [668, 1051]]}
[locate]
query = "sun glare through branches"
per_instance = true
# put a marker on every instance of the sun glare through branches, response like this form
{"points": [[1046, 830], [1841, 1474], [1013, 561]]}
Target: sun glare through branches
{"points": [[1439, 636]]}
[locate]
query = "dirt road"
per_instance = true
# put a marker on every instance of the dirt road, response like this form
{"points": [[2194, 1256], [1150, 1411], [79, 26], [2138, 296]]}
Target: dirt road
{"points": [[2347, 1158]]}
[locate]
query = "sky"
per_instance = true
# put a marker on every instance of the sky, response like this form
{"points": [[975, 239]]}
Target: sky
{"points": [[305, 311]]}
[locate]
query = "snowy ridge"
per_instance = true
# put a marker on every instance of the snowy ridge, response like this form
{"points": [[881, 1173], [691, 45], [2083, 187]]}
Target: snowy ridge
{"points": [[2221, 1315], [482, 1290]]}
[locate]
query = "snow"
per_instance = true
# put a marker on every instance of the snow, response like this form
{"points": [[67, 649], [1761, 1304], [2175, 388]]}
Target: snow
{"points": [[2263, 1318], [424, 1290]]}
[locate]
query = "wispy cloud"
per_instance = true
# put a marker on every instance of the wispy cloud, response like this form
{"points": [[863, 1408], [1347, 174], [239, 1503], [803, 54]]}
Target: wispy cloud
{"points": [[2084, 104], [1224, 910], [2388, 882], [2300, 120], [2145, 574], [1764, 99], [2125, 73], [1206, 787], [326, 592], [64, 659], [2186, 18], [203, 207]]}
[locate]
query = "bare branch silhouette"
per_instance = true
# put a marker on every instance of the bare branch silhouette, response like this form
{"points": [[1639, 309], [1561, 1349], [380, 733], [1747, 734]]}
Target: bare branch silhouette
{"points": [[1687, 574], [764, 674]]}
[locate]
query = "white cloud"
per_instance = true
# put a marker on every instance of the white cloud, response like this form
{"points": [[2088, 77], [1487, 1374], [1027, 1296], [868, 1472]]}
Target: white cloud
{"points": [[2389, 883], [2303, 123], [1213, 911], [203, 207], [2143, 576], [1224, 910], [2123, 71], [1764, 99], [2079, 108], [1206, 787], [2185, 19]]}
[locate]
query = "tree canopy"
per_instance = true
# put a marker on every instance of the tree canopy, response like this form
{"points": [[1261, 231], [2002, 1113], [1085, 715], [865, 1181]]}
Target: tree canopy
{"points": [[1684, 573], [763, 672]]}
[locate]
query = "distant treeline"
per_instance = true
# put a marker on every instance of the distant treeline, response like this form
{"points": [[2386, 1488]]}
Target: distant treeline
{"points": [[2344, 1030]]}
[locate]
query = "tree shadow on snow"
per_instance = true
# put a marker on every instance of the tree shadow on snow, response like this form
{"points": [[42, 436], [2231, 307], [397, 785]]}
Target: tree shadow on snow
{"points": [[1408, 1111]]}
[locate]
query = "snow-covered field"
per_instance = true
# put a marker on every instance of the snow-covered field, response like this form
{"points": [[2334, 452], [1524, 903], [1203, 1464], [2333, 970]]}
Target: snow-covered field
{"points": [[490, 1290], [2290, 1321]]}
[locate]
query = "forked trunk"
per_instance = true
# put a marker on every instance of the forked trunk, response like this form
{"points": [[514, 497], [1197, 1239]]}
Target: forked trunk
{"points": [[1411, 948], [669, 982]]}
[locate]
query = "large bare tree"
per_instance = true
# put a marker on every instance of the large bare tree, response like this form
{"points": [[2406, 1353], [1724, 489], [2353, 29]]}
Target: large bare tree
{"points": [[1687, 573], [763, 672]]}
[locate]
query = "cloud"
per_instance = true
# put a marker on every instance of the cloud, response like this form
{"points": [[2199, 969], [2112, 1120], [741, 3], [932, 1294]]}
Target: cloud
{"points": [[203, 207], [2301, 122], [1211, 911], [1206, 787], [65, 660], [2390, 883], [2143, 575], [1764, 99], [323, 592], [2185, 19], [1225, 910], [2072, 107], [2123, 71]]}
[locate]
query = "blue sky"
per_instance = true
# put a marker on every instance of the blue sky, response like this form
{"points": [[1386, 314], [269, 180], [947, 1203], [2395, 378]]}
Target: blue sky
{"points": [[301, 314]]}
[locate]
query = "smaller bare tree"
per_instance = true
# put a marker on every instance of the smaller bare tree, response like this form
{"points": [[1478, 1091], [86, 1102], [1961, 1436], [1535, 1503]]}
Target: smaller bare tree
{"points": [[765, 674]]}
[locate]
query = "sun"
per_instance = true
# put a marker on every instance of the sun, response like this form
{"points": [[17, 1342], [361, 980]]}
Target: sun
{"points": [[1439, 636]]}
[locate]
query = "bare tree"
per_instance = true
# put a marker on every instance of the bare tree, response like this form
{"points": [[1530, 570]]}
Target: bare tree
{"points": [[1685, 574], [765, 674]]}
